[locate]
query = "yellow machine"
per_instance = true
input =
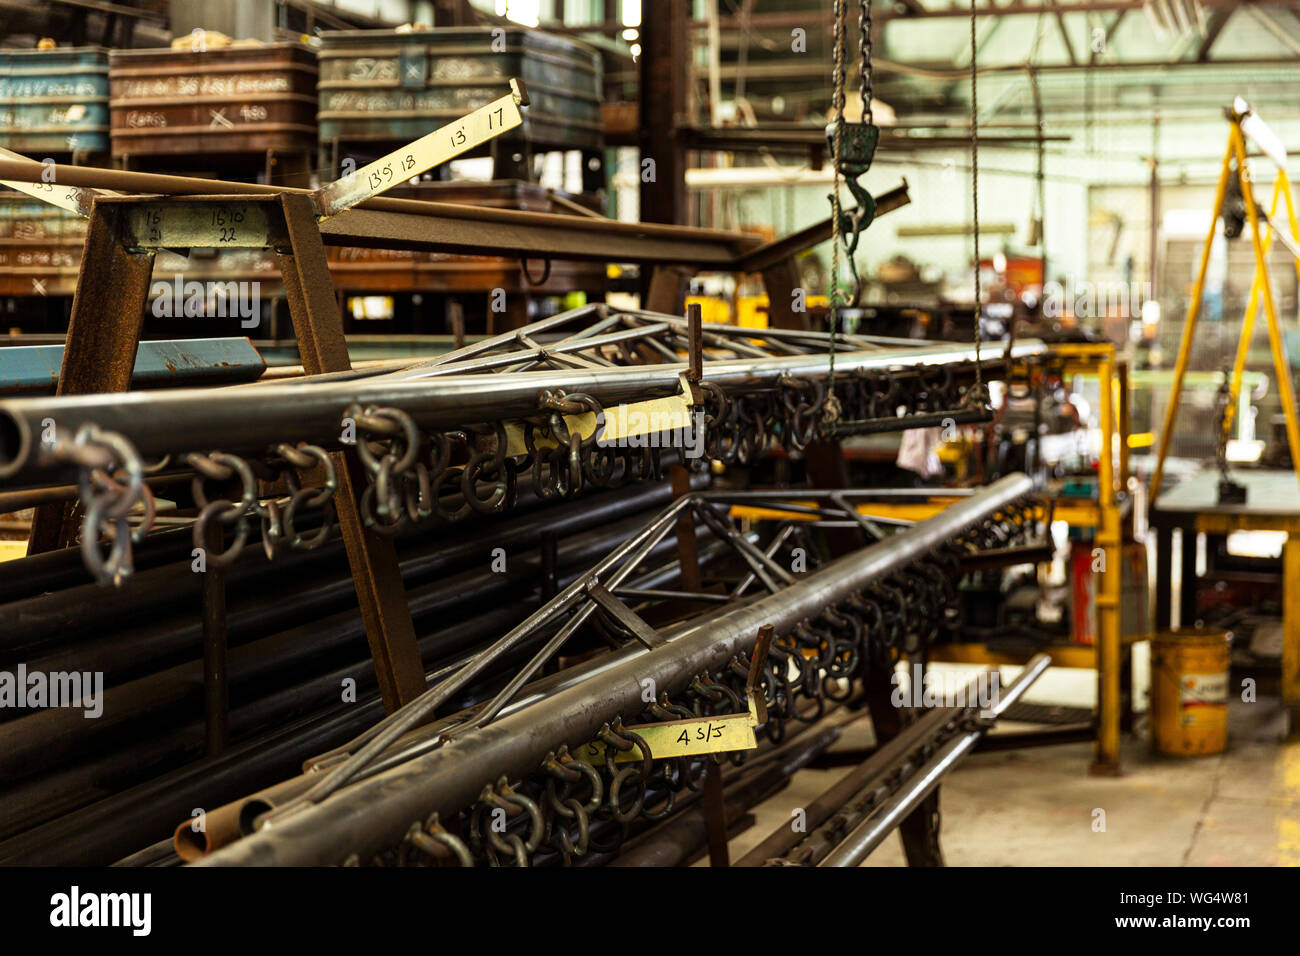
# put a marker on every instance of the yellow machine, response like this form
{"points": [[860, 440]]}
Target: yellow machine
{"points": [[1271, 513], [750, 310], [1241, 117]]}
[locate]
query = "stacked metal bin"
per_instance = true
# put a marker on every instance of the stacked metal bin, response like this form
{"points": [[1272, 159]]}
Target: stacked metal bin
{"points": [[53, 105], [381, 88], [40, 247], [180, 110], [54, 102]]}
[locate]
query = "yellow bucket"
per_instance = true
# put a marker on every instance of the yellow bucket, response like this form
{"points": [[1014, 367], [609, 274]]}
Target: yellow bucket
{"points": [[1189, 692]]}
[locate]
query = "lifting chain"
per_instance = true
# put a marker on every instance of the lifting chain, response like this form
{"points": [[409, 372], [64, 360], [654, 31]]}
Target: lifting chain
{"points": [[110, 482], [277, 515], [853, 146], [979, 397]]}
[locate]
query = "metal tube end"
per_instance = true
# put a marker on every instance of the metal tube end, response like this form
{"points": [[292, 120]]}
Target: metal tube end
{"points": [[15, 444]]}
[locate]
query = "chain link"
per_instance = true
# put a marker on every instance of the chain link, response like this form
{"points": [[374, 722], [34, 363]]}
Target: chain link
{"points": [[864, 53]]}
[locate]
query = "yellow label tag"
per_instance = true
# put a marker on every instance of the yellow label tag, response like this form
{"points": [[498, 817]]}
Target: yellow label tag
{"points": [[652, 417], [647, 418], [698, 735], [581, 425], [680, 738], [460, 136]]}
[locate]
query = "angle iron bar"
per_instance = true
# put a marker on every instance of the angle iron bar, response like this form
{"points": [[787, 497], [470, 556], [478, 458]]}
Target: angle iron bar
{"points": [[871, 832], [427, 224]]}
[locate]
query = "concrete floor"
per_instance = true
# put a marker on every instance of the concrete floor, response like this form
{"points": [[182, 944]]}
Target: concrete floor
{"points": [[1036, 806]]}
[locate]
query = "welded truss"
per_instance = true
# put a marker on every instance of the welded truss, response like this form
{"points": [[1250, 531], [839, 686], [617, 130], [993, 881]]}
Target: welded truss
{"points": [[833, 622], [592, 397]]}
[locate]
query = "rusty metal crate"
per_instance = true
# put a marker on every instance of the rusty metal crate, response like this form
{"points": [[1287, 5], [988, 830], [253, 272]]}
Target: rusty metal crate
{"points": [[54, 101], [236, 99], [381, 86]]}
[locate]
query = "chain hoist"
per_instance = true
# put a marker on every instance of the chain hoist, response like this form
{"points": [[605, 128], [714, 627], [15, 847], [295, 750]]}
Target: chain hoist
{"points": [[853, 146]]}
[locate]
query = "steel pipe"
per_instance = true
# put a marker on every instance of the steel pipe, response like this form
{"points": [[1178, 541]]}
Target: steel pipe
{"points": [[54, 626], [871, 832], [121, 821], [55, 734]]}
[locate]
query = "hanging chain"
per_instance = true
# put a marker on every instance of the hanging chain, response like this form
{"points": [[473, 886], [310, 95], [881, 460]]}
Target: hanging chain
{"points": [[975, 200], [831, 411], [835, 193], [864, 67]]}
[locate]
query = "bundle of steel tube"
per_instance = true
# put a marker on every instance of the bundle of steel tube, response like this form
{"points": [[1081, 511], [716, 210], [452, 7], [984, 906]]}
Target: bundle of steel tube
{"points": [[296, 638]]}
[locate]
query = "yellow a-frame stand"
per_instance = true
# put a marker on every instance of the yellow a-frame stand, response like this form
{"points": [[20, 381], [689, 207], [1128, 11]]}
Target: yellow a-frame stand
{"points": [[1242, 122]]}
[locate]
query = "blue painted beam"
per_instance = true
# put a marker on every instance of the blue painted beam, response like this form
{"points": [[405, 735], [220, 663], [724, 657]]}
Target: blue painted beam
{"points": [[26, 369]]}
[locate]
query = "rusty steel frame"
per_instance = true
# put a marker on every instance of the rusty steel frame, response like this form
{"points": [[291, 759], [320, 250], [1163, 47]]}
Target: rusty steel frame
{"points": [[436, 226], [118, 256], [103, 335], [100, 353]]}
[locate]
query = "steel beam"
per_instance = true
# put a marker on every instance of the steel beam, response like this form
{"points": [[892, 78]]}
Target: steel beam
{"points": [[665, 39]]}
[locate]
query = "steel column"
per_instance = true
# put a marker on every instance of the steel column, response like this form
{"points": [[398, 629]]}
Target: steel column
{"points": [[318, 326], [103, 335], [1291, 634]]}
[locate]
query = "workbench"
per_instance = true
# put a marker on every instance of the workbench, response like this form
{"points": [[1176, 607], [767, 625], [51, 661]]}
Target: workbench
{"points": [[1272, 504]]}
